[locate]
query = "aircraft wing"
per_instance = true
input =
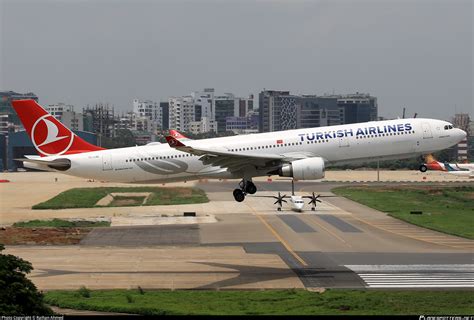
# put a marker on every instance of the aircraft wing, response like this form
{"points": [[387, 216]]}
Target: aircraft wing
{"points": [[233, 161]]}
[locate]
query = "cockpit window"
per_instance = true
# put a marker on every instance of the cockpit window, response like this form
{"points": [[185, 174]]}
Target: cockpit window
{"points": [[448, 127]]}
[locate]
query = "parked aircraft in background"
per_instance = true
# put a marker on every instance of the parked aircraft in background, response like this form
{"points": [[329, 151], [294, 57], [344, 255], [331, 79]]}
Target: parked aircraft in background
{"points": [[460, 169], [302, 153]]}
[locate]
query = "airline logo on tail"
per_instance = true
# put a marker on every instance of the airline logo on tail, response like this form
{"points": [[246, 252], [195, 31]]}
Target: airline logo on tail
{"points": [[48, 138]]}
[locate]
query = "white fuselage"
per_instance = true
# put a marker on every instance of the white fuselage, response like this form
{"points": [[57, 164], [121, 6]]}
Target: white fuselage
{"points": [[156, 163], [296, 203]]}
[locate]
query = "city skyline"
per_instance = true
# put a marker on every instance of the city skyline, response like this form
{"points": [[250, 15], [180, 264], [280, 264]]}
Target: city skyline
{"points": [[85, 52]]}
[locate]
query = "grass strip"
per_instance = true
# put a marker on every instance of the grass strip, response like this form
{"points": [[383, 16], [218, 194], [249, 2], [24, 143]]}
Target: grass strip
{"points": [[60, 223], [88, 197], [445, 209], [271, 302]]}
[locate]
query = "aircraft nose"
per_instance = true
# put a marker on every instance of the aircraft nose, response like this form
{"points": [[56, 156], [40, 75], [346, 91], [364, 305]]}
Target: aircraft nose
{"points": [[462, 134]]}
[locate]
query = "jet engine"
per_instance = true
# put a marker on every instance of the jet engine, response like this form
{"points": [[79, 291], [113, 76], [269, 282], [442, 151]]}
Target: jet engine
{"points": [[304, 169]]}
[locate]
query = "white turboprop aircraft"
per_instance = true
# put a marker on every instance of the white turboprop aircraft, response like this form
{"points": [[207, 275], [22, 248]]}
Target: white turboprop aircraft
{"points": [[302, 154], [296, 202]]}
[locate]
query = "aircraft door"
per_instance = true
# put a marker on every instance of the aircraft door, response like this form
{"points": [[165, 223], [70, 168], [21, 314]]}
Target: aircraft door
{"points": [[107, 161], [427, 134]]}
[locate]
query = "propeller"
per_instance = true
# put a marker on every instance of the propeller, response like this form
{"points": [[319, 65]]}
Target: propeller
{"points": [[314, 199], [280, 199]]}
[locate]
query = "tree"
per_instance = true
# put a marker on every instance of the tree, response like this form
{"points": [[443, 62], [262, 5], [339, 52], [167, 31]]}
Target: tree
{"points": [[18, 295], [123, 138]]}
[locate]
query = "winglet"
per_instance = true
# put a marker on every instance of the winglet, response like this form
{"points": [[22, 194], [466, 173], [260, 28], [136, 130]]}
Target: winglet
{"points": [[173, 142], [177, 135]]}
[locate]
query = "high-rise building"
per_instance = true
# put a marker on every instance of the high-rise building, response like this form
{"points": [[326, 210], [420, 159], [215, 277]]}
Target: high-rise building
{"points": [[6, 109], [243, 125], [462, 121], [225, 106], [100, 119], [181, 112], [280, 110], [66, 114], [358, 107], [149, 109], [165, 124], [273, 105], [134, 122], [203, 111], [4, 123]]}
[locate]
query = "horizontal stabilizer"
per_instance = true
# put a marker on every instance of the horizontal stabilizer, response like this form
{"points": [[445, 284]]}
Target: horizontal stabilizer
{"points": [[61, 164]]}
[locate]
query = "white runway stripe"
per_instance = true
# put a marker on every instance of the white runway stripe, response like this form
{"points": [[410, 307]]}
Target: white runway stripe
{"points": [[411, 267], [416, 276], [420, 286]]}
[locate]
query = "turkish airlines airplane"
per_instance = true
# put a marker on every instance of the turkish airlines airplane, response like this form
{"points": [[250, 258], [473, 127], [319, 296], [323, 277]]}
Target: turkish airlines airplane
{"points": [[459, 169], [302, 153]]}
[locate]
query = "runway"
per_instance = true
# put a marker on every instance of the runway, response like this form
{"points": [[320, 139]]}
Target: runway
{"points": [[345, 244], [251, 246]]}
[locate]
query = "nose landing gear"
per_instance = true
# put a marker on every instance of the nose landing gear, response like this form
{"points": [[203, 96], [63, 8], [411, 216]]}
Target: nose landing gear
{"points": [[246, 186]]}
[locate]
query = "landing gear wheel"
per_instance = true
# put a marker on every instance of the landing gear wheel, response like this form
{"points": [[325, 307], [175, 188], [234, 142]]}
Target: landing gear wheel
{"points": [[423, 168], [278, 209], [250, 187], [239, 195]]}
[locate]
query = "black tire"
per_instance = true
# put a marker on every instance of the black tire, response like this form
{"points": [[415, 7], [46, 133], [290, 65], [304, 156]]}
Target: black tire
{"points": [[250, 188], [423, 168], [239, 195]]}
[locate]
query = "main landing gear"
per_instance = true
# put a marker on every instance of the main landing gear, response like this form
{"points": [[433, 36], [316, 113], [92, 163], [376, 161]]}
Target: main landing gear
{"points": [[245, 186]]}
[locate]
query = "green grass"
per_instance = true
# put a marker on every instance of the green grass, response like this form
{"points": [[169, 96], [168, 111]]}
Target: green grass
{"points": [[271, 302], [88, 197], [59, 223], [445, 209]]}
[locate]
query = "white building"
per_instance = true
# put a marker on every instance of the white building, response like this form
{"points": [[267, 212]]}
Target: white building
{"points": [[135, 122], [181, 112], [203, 111], [148, 109], [66, 114], [58, 109], [4, 124]]}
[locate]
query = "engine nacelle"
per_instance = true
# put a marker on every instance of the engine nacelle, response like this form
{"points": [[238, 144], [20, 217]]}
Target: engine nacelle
{"points": [[304, 169]]}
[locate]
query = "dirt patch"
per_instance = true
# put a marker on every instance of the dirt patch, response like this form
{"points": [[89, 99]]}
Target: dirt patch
{"points": [[470, 195], [42, 236], [182, 191], [127, 201]]}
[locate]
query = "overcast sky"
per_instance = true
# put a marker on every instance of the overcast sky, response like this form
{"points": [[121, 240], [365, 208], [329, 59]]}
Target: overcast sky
{"points": [[417, 54]]}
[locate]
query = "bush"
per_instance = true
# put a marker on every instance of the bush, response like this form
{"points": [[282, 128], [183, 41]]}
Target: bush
{"points": [[18, 295], [84, 292], [129, 298]]}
